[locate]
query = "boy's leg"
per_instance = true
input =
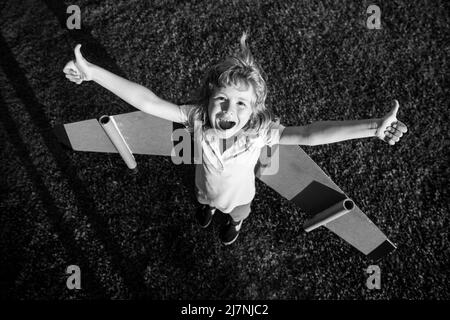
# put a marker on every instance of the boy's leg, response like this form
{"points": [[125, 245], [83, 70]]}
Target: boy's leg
{"points": [[204, 212], [230, 231], [240, 212]]}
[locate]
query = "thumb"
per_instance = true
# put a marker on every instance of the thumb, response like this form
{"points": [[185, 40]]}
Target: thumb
{"points": [[78, 54], [79, 57], [394, 109]]}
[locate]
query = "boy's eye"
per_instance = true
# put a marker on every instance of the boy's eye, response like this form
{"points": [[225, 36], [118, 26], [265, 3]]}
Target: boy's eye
{"points": [[220, 98], [242, 104]]}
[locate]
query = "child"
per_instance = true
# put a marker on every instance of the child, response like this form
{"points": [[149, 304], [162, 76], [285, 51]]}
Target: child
{"points": [[233, 125]]}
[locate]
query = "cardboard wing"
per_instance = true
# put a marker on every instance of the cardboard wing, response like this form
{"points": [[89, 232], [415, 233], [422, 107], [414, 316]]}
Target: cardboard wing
{"points": [[286, 169]]}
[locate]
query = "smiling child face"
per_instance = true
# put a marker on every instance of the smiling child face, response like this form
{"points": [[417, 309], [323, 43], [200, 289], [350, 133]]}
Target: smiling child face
{"points": [[230, 109]]}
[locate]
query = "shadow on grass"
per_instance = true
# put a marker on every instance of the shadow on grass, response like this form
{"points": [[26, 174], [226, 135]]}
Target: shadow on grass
{"points": [[61, 229], [130, 270]]}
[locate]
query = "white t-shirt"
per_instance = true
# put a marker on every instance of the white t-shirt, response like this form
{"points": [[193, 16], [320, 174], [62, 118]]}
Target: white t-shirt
{"points": [[227, 180]]}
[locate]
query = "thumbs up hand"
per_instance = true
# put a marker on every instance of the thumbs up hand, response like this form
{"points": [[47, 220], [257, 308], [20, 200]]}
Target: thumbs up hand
{"points": [[79, 70], [390, 129]]}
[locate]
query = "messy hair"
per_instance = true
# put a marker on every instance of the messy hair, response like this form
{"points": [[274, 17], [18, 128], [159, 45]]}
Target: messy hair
{"points": [[235, 70]]}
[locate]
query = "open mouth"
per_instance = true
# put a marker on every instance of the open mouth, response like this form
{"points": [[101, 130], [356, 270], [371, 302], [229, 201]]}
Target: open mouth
{"points": [[225, 124]]}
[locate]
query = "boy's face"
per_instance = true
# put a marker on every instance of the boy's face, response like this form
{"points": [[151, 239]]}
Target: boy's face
{"points": [[230, 109]]}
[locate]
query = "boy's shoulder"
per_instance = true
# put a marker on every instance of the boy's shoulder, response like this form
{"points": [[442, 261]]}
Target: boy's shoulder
{"points": [[271, 133]]}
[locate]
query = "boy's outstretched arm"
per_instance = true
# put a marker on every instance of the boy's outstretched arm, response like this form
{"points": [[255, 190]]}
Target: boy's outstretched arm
{"points": [[138, 96], [387, 128]]}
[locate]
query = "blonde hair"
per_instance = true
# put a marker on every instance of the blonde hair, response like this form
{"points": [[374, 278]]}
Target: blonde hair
{"points": [[235, 70]]}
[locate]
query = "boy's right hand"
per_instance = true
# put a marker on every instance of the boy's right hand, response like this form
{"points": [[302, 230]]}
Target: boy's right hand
{"points": [[79, 70]]}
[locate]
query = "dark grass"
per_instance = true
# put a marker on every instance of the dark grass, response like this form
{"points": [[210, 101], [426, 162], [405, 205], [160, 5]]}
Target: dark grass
{"points": [[134, 235]]}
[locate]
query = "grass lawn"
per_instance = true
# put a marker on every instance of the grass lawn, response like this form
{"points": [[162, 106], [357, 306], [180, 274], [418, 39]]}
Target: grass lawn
{"points": [[135, 236]]}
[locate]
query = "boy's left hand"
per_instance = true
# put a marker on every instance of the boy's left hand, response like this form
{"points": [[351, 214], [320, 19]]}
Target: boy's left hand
{"points": [[389, 128]]}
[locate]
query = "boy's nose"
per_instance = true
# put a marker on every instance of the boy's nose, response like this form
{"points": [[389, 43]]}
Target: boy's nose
{"points": [[227, 107]]}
